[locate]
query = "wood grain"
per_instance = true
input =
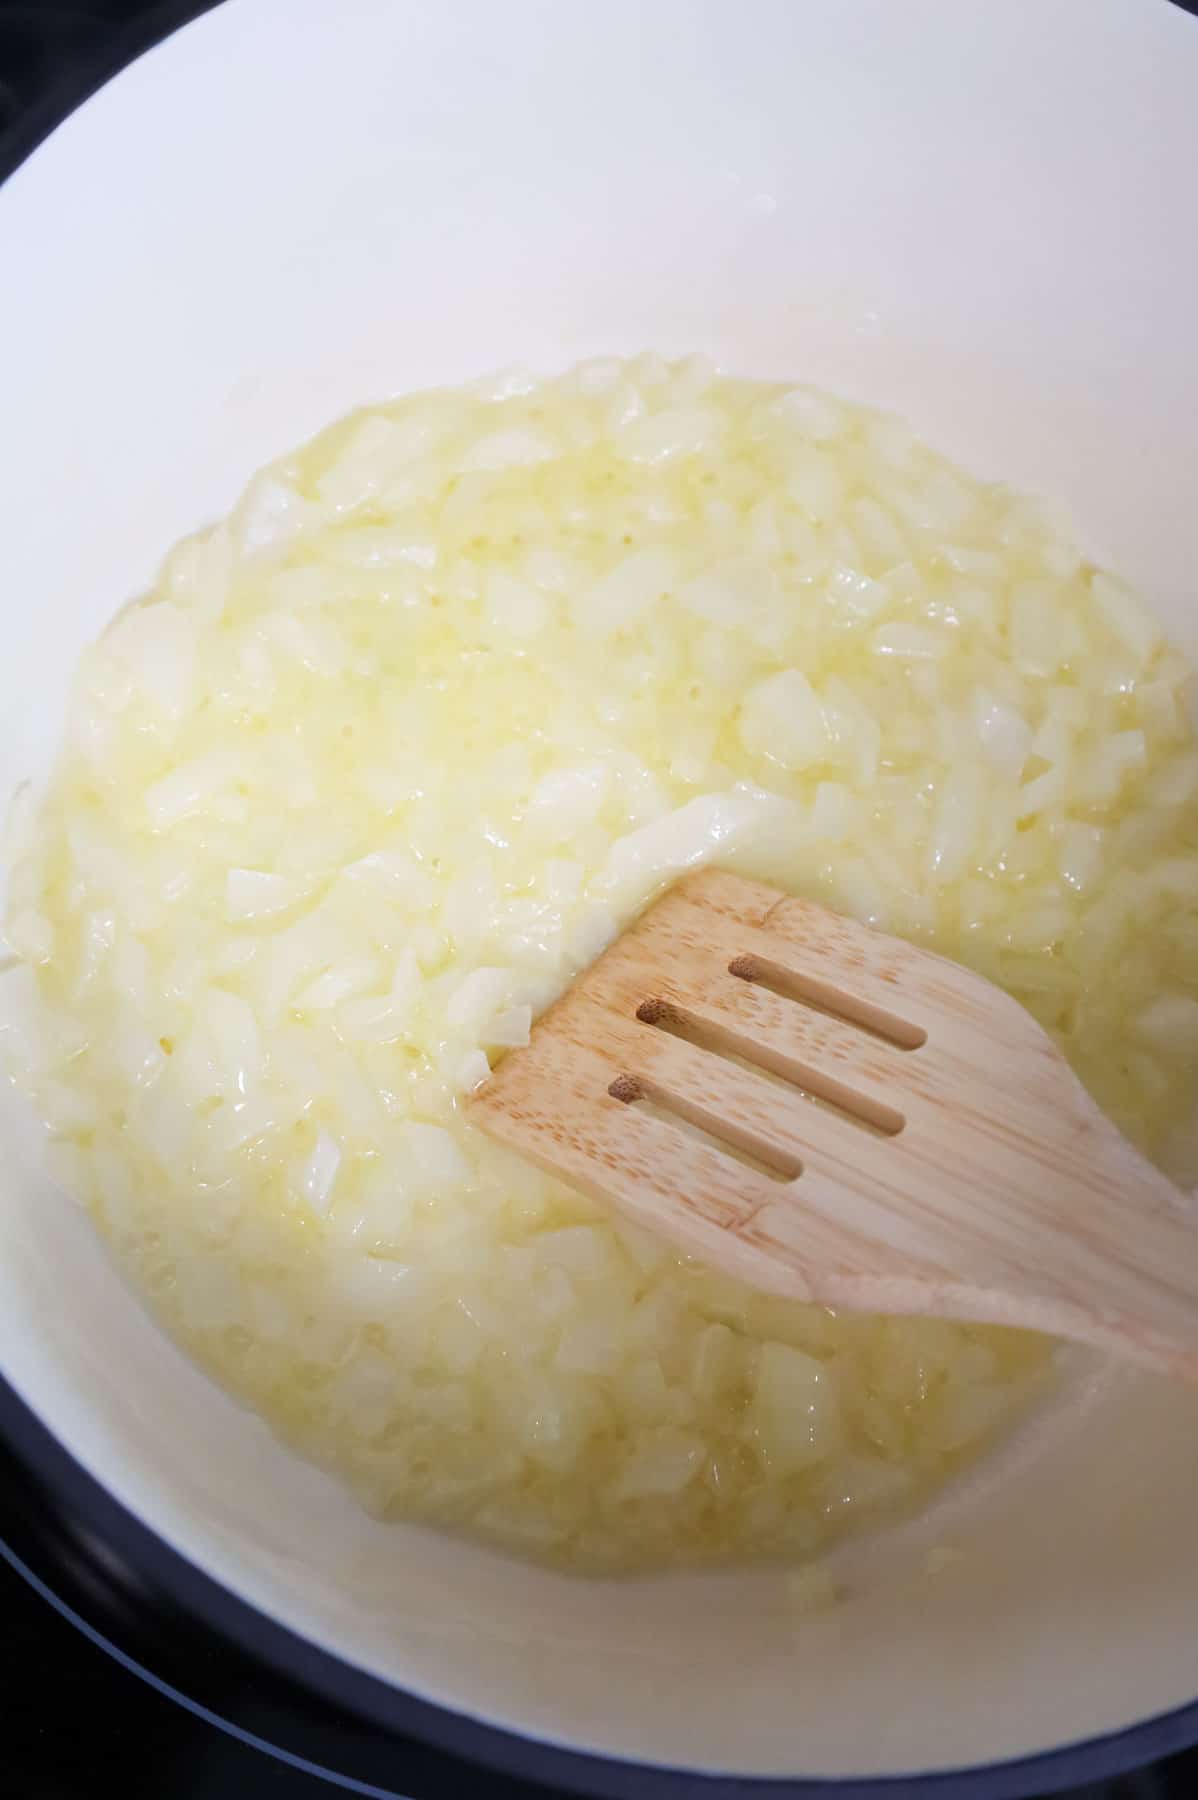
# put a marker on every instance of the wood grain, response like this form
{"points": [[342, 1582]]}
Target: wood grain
{"points": [[833, 1114]]}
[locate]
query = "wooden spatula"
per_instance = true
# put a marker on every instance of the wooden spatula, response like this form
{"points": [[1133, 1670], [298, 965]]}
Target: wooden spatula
{"points": [[832, 1114]]}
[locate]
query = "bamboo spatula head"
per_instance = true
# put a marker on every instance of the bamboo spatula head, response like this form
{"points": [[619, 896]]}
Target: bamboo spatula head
{"points": [[833, 1114]]}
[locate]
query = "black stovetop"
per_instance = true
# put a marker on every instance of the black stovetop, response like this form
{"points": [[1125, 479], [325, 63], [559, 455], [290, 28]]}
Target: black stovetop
{"points": [[102, 1689]]}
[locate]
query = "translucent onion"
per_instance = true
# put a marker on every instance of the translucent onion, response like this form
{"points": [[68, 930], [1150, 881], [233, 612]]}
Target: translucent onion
{"points": [[392, 753]]}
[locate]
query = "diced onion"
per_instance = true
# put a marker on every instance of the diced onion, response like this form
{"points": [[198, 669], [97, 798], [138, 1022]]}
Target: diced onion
{"points": [[397, 749]]}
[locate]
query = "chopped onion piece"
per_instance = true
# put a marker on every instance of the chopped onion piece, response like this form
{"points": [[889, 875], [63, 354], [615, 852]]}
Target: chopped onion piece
{"points": [[509, 1028], [259, 894], [1005, 734], [783, 719], [908, 641], [626, 592], [319, 1173], [191, 787]]}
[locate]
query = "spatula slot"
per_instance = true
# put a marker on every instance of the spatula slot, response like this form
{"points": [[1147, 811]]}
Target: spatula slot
{"points": [[724, 1135], [821, 996], [808, 1079]]}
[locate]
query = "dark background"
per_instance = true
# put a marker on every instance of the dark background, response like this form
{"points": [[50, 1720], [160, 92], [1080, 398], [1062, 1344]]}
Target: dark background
{"points": [[76, 1723]]}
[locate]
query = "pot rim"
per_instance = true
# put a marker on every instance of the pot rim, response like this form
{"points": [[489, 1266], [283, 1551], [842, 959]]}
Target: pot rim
{"points": [[87, 1503]]}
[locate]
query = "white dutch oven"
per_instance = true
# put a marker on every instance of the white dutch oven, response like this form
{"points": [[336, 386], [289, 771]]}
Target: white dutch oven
{"points": [[978, 214]]}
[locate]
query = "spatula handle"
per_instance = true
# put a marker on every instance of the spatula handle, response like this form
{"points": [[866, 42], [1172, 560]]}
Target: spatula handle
{"points": [[1149, 1231]]}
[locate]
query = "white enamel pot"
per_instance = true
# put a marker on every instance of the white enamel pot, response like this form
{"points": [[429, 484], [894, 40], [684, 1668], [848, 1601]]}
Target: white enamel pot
{"points": [[978, 214]]}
